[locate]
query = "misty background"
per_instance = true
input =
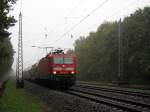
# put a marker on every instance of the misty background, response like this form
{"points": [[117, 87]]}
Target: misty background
{"points": [[48, 22]]}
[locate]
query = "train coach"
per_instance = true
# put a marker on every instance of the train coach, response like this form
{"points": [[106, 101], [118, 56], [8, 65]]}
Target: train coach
{"points": [[57, 67]]}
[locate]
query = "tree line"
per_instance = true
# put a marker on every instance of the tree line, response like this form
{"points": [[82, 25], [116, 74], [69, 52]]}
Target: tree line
{"points": [[97, 54], [6, 49]]}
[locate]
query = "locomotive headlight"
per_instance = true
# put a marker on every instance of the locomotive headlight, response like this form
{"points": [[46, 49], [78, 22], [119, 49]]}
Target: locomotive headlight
{"points": [[72, 72], [54, 72]]}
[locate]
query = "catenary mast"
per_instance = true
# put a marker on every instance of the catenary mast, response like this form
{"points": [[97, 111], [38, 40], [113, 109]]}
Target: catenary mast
{"points": [[19, 71]]}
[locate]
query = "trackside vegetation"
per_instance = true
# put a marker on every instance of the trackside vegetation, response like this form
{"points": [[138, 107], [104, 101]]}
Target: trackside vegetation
{"points": [[19, 100], [6, 21], [98, 53]]}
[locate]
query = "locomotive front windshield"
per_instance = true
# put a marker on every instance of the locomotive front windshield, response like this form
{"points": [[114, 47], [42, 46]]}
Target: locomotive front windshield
{"points": [[65, 60], [68, 61], [58, 60]]}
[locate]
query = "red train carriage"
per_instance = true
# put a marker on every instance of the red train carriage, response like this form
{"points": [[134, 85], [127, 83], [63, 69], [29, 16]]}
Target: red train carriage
{"points": [[57, 67]]}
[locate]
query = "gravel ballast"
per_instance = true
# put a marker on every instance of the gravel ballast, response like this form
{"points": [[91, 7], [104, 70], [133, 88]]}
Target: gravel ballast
{"points": [[58, 101]]}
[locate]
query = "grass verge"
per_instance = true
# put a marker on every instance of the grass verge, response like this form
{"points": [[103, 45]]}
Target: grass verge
{"points": [[19, 100]]}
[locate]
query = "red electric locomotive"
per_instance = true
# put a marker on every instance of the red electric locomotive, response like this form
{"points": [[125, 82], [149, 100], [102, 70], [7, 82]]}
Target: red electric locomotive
{"points": [[56, 67]]}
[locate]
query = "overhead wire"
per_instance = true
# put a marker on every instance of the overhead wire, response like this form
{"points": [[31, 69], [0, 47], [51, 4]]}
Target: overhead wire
{"points": [[74, 8], [124, 8], [78, 17], [70, 12], [83, 19]]}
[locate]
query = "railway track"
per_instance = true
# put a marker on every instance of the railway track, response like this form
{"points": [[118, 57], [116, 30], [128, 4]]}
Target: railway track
{"points": [[139, 87], [127, 91], [101, 96], [121, 104], [65, 102]]}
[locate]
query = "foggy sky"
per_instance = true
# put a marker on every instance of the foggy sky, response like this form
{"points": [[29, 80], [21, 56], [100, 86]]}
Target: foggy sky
{"points": [[55, 17]]}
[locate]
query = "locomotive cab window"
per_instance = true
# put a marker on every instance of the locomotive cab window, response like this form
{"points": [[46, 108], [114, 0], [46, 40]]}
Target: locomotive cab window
{"points": [[58, 60], [68, 60]]}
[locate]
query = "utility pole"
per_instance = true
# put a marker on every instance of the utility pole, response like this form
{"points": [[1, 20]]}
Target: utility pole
{"points": [[19, 66], [120, 52]]}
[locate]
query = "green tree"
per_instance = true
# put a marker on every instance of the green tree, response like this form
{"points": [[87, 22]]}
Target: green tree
{"points": [[97, 53], [6, 21], [6, 55], [136, 35]]}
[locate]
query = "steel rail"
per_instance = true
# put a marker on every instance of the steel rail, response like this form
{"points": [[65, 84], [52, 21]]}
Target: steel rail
{"points": [[116, 102], [134, 93]]}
